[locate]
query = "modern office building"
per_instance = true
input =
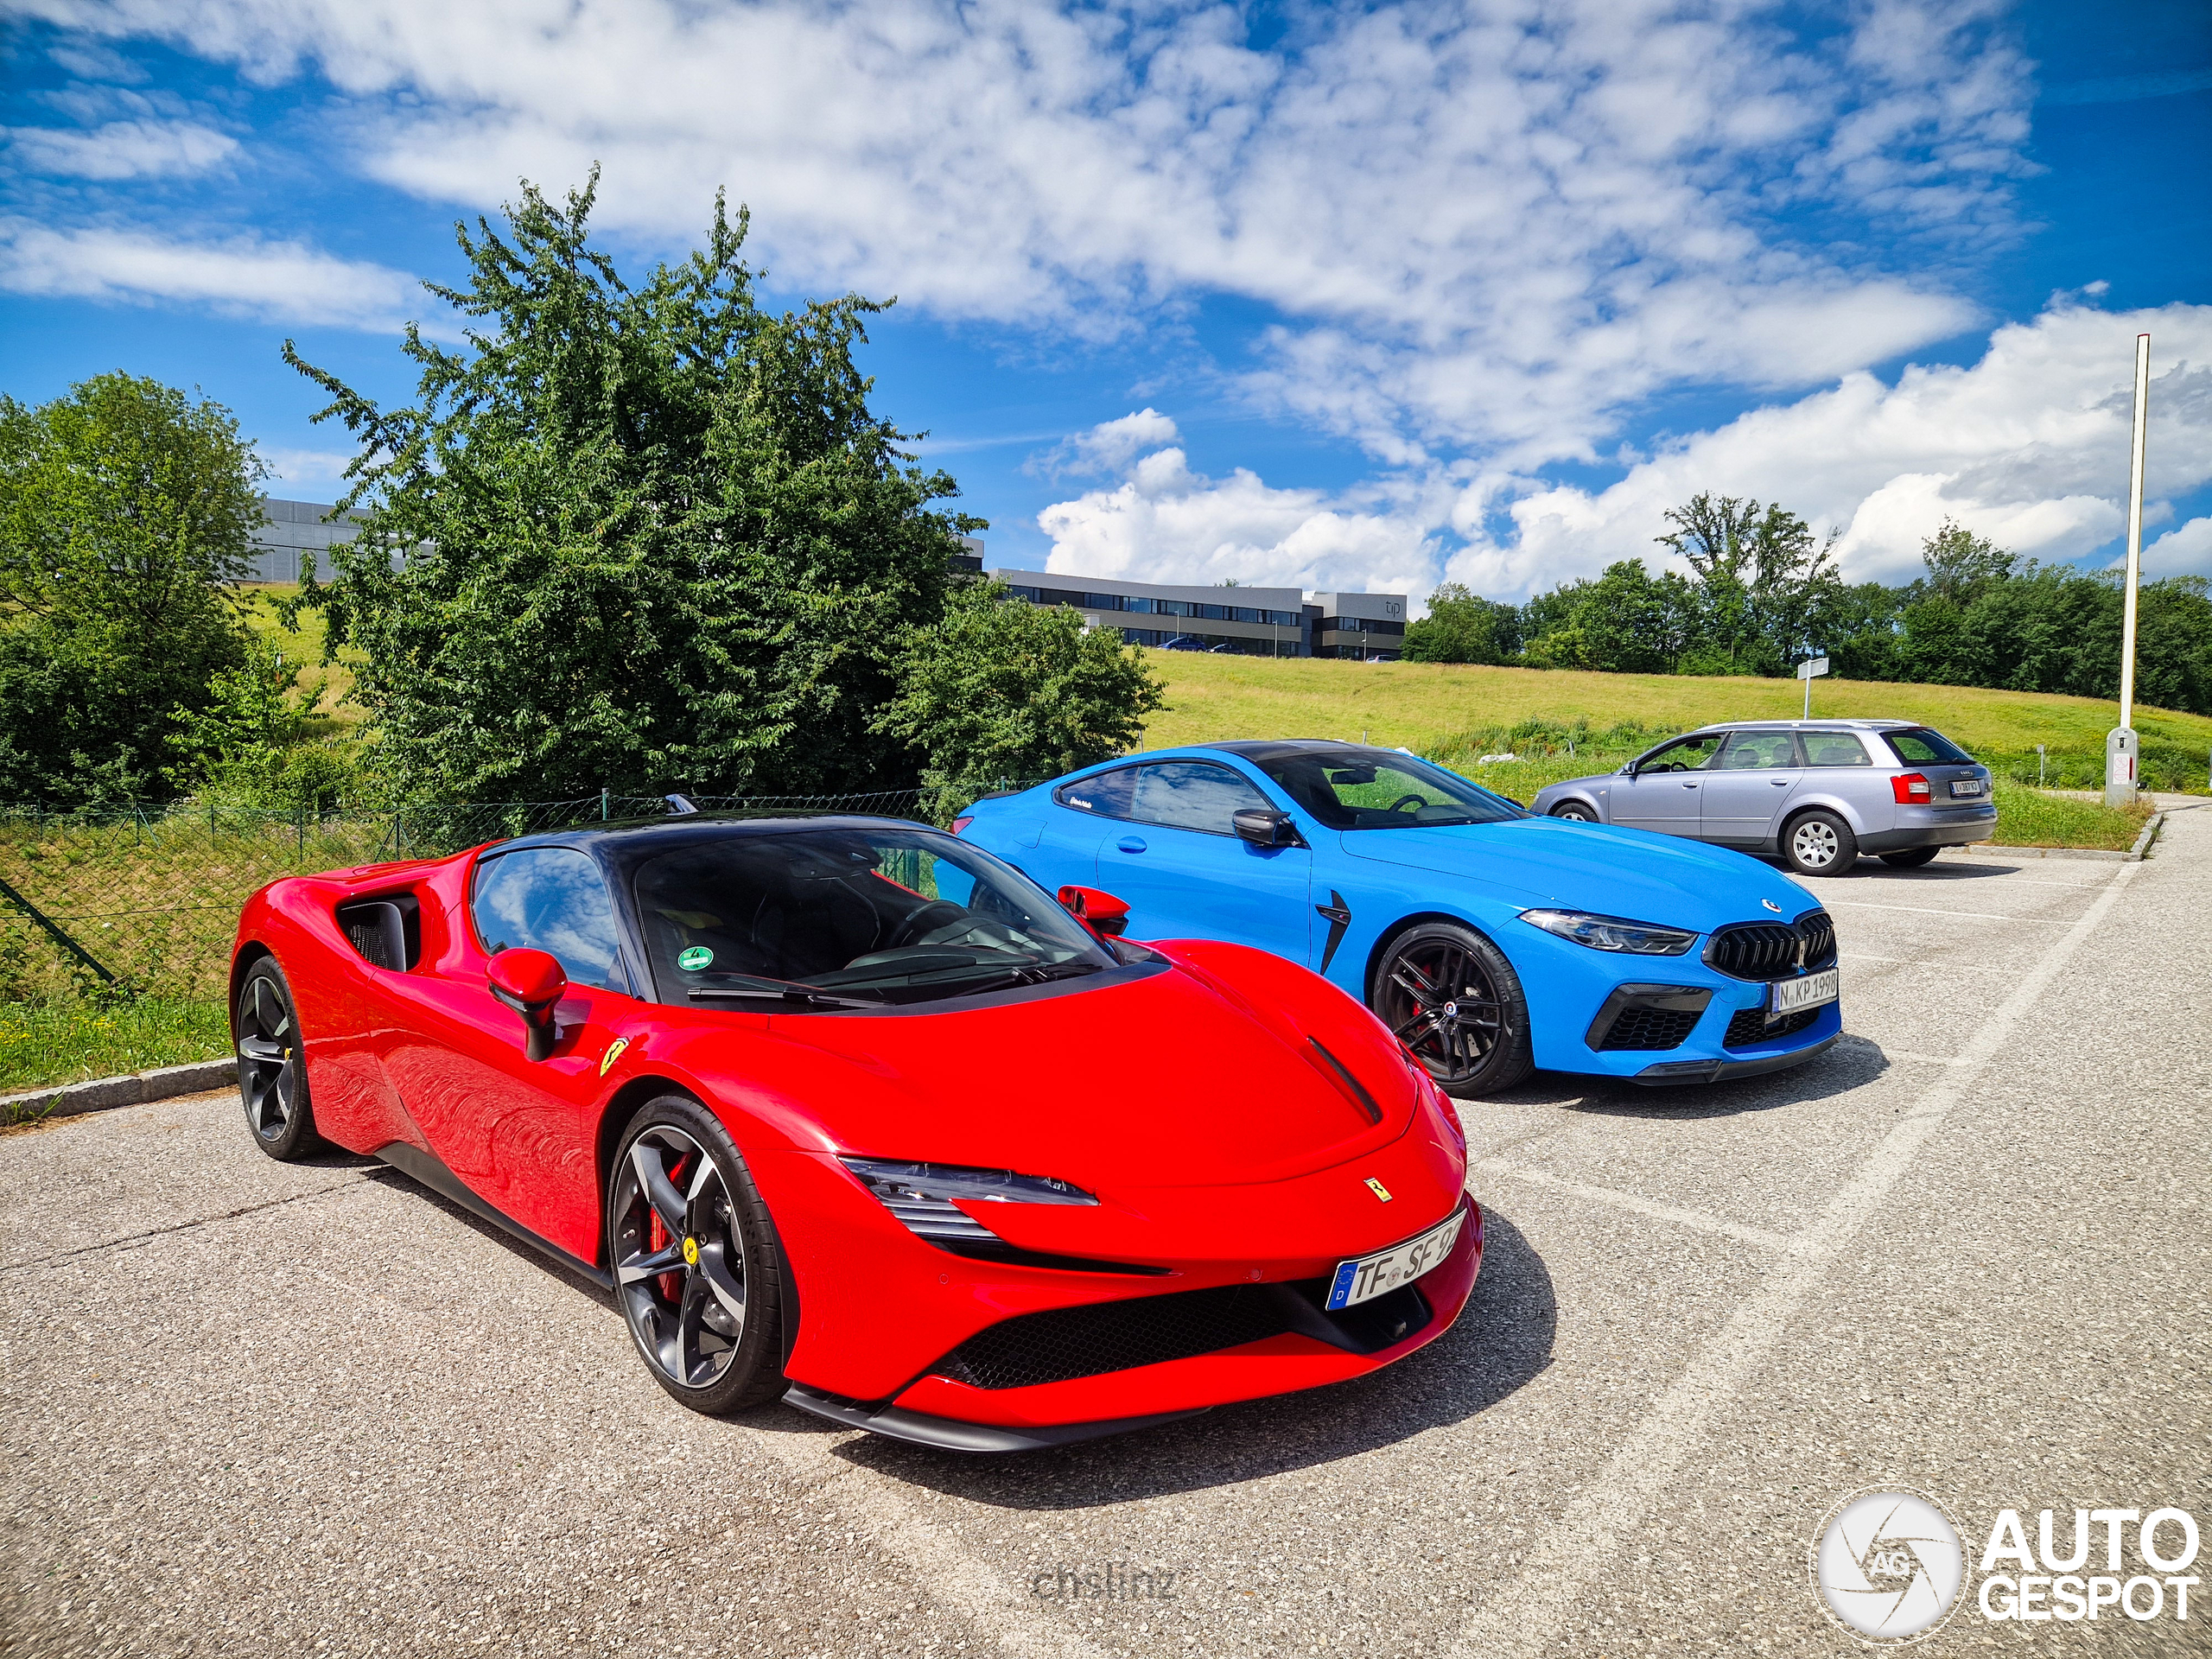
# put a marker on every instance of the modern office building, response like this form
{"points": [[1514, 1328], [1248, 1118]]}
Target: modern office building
{"points": [[1254, 621], [1251, 621]]}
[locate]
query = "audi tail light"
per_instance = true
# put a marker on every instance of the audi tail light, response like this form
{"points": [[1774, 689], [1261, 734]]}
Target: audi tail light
{"points": [[1911, 789]]}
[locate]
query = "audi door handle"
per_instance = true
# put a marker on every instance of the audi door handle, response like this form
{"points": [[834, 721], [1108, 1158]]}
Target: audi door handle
{"points": [[1131, 843], [1689, 785], [1779, 782]]}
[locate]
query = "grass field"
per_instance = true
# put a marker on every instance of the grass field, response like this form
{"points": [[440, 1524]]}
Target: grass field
{"points": [[1448, 709], [54, 1043]]}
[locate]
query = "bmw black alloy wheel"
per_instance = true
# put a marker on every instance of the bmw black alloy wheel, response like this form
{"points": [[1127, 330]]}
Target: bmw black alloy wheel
{"points": [[1449, 995], [272, 1073], [679, 1257]]}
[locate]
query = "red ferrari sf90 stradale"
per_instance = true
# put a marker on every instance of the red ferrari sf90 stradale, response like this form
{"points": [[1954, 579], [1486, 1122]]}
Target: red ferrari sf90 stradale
{"points": [[847, 1110]]}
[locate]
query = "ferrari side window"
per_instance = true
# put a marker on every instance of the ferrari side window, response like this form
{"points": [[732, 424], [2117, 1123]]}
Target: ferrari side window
{"points": [[1108, 793], [550, 899], [1193, 795]]}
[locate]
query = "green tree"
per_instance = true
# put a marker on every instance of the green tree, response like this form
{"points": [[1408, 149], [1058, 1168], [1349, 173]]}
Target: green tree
{"points": [[126, 510], [997, 691], [1761, 579], [1462, 627], [1961, 564], [632, 538]]}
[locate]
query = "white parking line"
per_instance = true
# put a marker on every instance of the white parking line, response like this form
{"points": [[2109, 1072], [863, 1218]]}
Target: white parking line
{"points": [[1969, 915], [1524, 1617], [1700, 1219]]}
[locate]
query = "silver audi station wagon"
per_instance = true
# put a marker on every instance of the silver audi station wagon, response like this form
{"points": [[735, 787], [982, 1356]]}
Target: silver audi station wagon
{"points": [[1817, 792]]}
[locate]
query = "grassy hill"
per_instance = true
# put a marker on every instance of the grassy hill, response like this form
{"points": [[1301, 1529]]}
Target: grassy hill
{"points": [[1455, 711]]}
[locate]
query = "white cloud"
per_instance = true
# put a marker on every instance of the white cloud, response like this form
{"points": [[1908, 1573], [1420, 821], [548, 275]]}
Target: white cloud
{"points": [[1111, 446], [2185, 551], [1164, 523], [1498, 225], [300, 467], [120, 149], [2029, 446], [284, 281]]}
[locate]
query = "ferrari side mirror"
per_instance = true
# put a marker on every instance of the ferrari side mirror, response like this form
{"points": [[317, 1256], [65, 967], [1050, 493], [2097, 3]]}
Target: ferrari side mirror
{"points": [[1264, 828], [1102, 913], [531, 983]]}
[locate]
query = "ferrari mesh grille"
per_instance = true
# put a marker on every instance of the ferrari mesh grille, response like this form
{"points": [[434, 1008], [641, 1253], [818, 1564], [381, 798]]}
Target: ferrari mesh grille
{"points": [[1651, 1028], [1769, 949], [1064, 1343], [1749, 1026]]}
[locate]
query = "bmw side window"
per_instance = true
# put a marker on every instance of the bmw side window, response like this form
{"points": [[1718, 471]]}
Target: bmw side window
{"points": [[1109, 794], [1759, 752], [1688, 754], [1193, 795], [1835, 749], [550, 899]]}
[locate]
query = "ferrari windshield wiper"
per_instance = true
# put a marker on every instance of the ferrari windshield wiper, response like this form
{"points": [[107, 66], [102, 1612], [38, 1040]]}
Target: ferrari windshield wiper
{"points": [[779, 990]]}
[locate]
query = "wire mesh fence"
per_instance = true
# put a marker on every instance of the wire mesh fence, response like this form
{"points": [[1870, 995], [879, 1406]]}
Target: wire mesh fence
{"points": [[145, 902]]}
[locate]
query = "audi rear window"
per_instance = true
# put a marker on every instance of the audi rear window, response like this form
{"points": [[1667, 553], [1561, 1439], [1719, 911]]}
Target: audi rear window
{"points": [[1921, 747]]}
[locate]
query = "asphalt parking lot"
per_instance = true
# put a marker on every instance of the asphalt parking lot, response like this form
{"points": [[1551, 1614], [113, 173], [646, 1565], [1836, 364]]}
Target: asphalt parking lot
{"points": [[254, 1410]]}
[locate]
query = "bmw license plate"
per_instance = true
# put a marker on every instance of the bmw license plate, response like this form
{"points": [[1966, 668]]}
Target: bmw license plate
{"points": [[1370, 1276], [1965, 786], [1794, 995]]}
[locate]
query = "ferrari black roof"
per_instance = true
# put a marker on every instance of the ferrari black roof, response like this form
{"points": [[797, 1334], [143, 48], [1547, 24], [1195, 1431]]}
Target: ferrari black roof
{"points": [[630, 835]]}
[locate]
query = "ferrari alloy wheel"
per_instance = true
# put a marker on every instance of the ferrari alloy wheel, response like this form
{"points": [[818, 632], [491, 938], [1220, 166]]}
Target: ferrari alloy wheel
{"points": [[1574, 811], [1450, 996], [1820, 843], [695, 1259], [272, 1069]]}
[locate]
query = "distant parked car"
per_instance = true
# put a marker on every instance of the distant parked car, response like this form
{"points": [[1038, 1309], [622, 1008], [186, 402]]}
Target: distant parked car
{"points": [[1816, 793]]}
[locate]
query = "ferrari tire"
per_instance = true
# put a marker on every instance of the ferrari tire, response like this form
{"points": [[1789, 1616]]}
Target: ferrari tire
{"points": [[1820, 843], [272, 1066], [1911, 859], [1576, 812], [1450, 996], [695, 1259]]}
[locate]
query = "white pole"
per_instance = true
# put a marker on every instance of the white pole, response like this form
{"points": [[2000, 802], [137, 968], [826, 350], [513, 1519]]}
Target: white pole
{"points": [[2121, 745], [2134, 530], [1808, 696]]}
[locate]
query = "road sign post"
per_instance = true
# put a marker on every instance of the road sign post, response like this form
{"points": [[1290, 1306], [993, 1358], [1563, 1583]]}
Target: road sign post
{"points": [[2120, 744], [1807, 671]]}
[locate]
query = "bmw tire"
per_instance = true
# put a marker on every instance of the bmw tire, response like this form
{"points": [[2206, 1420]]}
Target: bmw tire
{"points": [[1450, 996]]}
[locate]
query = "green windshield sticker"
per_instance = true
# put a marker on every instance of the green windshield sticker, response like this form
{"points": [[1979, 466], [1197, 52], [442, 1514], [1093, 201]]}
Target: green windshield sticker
{"points": [[694, 959]]}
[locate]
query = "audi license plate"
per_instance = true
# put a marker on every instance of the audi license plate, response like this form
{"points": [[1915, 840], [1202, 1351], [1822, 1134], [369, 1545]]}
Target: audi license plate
{"points": [[1370, 1276], [1965, 786], [1794, 995]]}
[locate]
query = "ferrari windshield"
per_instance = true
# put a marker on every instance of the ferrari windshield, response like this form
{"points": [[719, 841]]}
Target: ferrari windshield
{"points": [[1349, 788], [843, 917]]}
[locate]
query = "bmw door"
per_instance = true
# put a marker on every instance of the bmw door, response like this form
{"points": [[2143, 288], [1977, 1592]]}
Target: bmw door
{"points": [[1186, 874], [1076, 819], [1744, 789], [1667, 793]]}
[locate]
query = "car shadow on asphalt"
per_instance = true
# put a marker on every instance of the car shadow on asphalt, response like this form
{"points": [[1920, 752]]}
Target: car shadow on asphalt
{"points": [[1853, 1063], [385, 1175], [1502, 1339]]}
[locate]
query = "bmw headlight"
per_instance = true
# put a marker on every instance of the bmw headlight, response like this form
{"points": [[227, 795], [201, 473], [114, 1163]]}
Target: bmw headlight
{"points": [[921, 1195], [1611, 933]]}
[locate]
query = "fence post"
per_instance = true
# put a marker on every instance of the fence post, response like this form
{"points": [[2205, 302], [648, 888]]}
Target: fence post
{"points": [[602, 805]]}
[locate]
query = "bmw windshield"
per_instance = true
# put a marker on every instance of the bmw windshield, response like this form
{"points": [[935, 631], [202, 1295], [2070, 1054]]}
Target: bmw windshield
{"points": [[1351, 788], [845, 918]]}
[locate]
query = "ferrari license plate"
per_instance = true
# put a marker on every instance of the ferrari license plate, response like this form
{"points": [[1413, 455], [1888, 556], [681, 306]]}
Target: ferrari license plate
{"points": [[1370, 1276], [1794, 995]]}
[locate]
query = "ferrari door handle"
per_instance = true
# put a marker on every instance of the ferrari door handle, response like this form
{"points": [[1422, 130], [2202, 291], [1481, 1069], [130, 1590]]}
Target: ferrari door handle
{"points": [[1131, 843]]}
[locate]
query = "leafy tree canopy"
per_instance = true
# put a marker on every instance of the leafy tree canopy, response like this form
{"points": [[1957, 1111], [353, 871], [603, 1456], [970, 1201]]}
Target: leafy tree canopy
{"points": [[998, 691], [126, 510], [635, 537]]}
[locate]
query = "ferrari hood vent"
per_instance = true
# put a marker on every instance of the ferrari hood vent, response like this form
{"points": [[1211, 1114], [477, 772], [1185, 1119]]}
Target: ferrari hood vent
{"points": [[1340, 1074]]}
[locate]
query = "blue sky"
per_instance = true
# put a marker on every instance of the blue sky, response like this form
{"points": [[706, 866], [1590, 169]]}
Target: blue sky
{"points": [[1347, 297]]}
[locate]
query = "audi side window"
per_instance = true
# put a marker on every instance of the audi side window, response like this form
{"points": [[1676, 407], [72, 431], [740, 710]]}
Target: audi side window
{"points": [[1193, 795], [1759, 752], [1835, 749], [1922, 748], [550, 899], [1108, 793]]}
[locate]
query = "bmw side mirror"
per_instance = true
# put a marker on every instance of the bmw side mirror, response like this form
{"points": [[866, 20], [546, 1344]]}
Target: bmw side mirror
{"points": [[1264, 828], [1102, 913], [531, 983]]}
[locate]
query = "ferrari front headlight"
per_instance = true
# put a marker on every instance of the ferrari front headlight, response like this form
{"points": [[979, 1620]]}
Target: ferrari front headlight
{"points": [[922, 1195], [1612, 933]]}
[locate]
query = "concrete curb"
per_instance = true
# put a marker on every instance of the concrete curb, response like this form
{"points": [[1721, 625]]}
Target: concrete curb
{"points": [[103, 1094], [2133, 854]]}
